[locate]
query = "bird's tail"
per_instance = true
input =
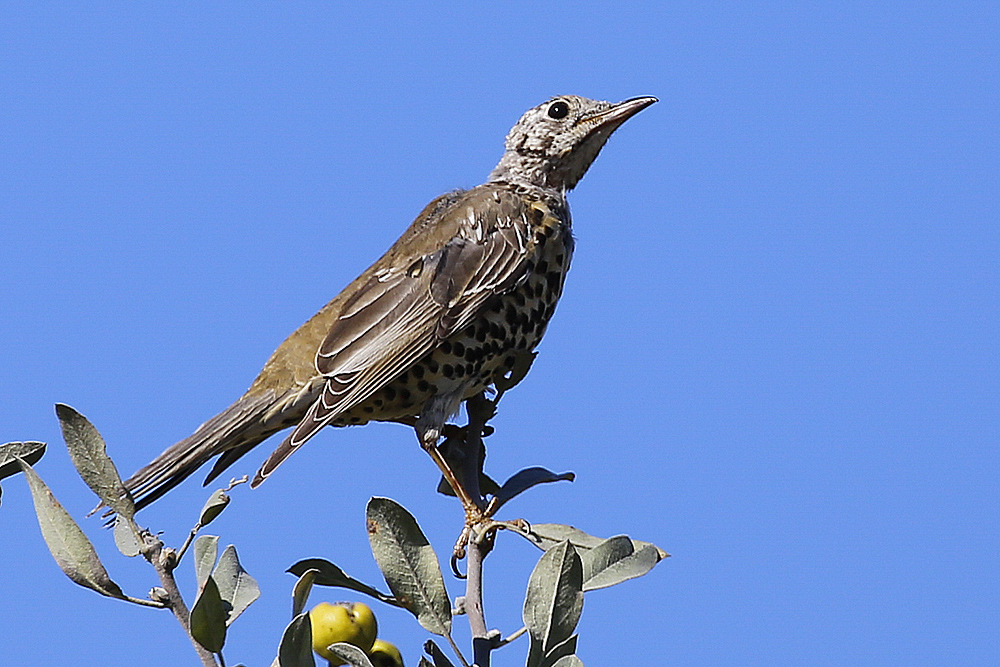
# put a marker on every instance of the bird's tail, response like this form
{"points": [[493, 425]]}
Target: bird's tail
{"points": [[230, 434]]}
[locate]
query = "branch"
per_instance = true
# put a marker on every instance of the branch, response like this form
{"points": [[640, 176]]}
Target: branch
{"points": [[164, 560]]}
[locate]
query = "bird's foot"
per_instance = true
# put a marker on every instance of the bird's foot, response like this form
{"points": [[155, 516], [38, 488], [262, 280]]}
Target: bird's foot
{"points": [[481, 528]]}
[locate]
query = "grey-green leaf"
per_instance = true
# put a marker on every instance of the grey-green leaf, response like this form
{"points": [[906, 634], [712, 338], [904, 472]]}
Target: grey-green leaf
{"points": [[296, 644], [436, 654], [604, 554], [409, 564], [524, 480], [300, 594], [213, 507], [29, 452], [126, 536], [568, 661], [236, 587], [522, 364], [554, 601], [350, 654], [329, 574], [208, 617], [89, 455], [547, 535], [206, 550], [616, 560], [487, 485], [559, 651], [73, 552], [536, 652]]}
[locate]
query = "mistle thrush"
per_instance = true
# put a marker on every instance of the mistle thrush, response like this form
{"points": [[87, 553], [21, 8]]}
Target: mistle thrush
{"points": [[471, 283]]}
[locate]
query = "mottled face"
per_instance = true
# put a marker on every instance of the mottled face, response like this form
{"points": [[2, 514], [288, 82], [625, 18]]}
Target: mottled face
{"points": [[555, 143]]}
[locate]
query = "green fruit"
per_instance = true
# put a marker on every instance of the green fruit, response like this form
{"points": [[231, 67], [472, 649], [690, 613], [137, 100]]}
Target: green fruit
{"points": [[384, 654], [351, 622]]}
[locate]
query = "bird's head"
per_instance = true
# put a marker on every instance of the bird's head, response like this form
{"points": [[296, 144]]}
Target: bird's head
{"points": [[553, 145]]}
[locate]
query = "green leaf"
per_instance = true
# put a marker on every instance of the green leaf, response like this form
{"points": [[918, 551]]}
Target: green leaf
{"points": [[350, 654], [236, 587], [29, 452], [296, 644], [73, 552], [524, 480], [208, 617], [409, 564], [554, 601], [568, 661], [206, 550], [89, 455], [300, 594], [126, 536], [616, 560], [329, 574], [547, 535], [213, 507]]}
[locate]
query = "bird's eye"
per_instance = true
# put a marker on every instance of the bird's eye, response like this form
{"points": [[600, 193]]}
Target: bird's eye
{"points": [[558, 110]]}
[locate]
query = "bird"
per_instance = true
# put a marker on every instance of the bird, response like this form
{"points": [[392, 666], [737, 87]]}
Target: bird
{"points": [[436, 320]]}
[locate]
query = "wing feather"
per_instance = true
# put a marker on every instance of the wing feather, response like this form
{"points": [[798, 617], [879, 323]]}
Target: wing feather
{"points": [[406, 309]]}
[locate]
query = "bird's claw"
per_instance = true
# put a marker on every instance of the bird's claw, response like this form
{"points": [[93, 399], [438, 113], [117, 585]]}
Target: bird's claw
{"points": [[485, 529]]}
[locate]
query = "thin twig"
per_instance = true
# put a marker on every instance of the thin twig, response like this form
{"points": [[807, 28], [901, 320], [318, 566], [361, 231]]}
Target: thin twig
{"points": [[458, 652], [145, 603], [234, 482], [513, 636]]}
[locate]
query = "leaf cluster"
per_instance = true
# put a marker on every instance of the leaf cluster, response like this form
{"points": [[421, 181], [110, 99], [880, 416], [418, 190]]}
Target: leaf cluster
{"points": [[572, 562], [225, 589]]}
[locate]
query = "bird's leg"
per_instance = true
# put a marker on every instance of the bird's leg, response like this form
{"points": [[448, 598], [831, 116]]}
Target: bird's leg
{"points": [[428, 440], [481, 410]]}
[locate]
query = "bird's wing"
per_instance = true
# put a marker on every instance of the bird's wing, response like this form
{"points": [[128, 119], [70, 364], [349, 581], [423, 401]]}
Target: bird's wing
{"points": [[417, 300]]}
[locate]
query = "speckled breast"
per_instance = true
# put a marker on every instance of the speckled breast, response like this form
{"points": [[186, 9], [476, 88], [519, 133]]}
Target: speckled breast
{"points": [[510, 323]]}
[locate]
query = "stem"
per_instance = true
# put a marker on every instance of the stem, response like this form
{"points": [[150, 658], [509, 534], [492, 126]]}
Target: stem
{"points": [[187, 542], [480, 410], [481, 646], [164, 561]]}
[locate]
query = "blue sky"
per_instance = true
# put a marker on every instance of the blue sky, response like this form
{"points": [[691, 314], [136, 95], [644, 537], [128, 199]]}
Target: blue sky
{"points": [[776, 356]]}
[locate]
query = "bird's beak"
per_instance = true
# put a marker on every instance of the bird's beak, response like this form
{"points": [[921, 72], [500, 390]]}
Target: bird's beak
{"points": [[610, 119]]}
